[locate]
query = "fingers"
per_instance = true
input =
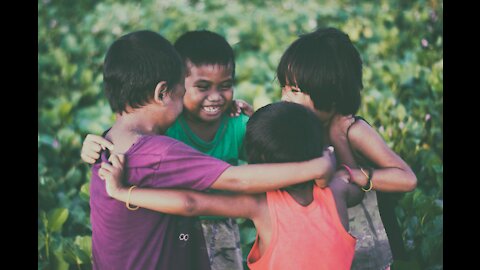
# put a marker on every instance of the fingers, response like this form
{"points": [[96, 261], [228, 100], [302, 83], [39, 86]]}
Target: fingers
{"points": [[105, 170], [92, 147], [90, 153], [117, 160], [235, 108], [102, 173], [99, 140], [87, 158], [107, 167]]}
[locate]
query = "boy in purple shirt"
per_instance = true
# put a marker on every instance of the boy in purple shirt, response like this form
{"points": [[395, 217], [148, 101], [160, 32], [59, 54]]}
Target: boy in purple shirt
{"points": [[143, 80]]}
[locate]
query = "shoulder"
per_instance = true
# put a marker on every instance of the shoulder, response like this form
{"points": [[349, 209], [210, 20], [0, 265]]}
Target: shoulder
{"points": [[153, 144], [175, 130], [359, 130], [238, 121]]}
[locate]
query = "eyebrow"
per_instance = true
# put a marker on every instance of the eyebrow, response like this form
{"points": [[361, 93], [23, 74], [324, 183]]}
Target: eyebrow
{"points": [[207, 81], [203, 81]]}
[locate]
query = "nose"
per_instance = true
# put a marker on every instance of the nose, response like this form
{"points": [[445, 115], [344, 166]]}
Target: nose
{"points": [[214, 96]]}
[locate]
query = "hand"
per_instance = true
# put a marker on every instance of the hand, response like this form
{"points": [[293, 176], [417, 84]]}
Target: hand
{"points": [[239, 106], [113, 174], [329, 159], [92, 146], [342, 174]]}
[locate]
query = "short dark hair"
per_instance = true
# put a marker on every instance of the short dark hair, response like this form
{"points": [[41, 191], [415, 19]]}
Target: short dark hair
{"points": [[203, 47], [327, 66], [134, 64], [283, 132]]}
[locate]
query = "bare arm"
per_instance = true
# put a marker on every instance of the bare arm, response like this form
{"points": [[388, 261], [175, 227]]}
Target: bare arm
{"points": [[394, 174], [346, 195], [351, 192], [176, 201], [257, 178]]}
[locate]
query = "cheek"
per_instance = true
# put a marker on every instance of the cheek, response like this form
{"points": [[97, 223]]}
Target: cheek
{"points": [[308, 102], [192, 98], [286, 96], [228, 96]]}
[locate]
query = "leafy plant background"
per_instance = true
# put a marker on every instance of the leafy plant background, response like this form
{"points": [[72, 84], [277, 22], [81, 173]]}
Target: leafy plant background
{"points": [[401, 43]]}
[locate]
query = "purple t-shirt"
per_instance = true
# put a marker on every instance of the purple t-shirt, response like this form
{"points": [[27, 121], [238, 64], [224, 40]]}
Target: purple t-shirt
{"points": [[145, 239]]}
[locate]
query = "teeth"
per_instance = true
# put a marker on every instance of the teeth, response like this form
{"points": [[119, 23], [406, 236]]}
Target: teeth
{"points": [[211, 108]]}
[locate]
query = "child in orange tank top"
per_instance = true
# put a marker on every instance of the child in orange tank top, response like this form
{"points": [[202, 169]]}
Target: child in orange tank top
{"points": [[298, 227]]}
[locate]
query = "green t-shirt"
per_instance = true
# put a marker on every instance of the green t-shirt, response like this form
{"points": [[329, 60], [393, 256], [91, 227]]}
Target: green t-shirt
{"points": [[227, 144]]}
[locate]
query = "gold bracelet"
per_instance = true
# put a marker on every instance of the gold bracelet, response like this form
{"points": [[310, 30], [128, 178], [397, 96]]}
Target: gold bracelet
{"points": [[364, 173], [369, 188], [127, 203], [369, 179]]}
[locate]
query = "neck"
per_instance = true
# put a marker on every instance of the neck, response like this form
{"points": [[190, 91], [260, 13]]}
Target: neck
{"points": [[139, 123], [302, 193], [205, 130]]}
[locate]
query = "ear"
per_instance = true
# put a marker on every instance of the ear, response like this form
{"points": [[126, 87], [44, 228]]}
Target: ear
{"points": [[160, 91]]}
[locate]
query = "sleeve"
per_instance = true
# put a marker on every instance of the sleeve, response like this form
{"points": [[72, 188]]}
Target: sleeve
{"points": [[242, 129], [184, 167]]}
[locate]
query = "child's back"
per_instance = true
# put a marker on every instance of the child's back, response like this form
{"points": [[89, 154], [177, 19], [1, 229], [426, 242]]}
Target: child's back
{"points": [[306, 225], [304, 237]]}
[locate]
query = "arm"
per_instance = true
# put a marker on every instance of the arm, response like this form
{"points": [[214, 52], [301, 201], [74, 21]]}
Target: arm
{"points": [[255, 178], [346, 195], [350, 192], [393, 175], [92, 146], [175, 201], [323, 181]]}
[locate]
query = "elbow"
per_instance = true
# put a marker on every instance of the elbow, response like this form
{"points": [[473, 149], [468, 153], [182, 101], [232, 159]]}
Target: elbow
{"points": [[239, 186], [190, 206], [411, 182]]}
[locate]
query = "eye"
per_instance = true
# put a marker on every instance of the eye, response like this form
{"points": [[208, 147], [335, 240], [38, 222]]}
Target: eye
{"points": [[202, 87], [295, 90], [226, 86]]}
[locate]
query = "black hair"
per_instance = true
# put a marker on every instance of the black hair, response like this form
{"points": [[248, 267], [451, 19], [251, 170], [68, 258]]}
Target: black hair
{"points": [[283, 132], [134, 65], [203, 47], [327, 66]]}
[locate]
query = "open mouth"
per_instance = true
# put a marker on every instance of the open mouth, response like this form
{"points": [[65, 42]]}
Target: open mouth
{"points": [[212, 110]]}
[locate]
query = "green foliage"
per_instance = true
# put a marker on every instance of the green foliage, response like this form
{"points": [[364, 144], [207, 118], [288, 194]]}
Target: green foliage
{"points": [[401, 43]]}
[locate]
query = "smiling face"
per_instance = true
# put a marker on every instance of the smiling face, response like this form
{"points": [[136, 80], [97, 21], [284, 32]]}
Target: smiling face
{"points": [[209, 92]]}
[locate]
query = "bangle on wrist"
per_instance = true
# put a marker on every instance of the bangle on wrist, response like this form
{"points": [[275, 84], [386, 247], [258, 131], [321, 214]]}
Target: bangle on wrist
{"points": [[127, 203], [369, 185]]}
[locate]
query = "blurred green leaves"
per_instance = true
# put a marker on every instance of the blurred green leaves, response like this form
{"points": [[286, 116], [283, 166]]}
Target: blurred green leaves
{"points": [[401, 44]]}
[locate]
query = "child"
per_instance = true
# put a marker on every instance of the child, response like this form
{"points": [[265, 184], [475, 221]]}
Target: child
{"points": [[144, 84], [323, 71], [206, 126], [300, 227]]}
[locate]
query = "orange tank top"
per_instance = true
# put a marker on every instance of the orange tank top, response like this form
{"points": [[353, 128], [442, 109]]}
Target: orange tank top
{"points": [[304, 237]]}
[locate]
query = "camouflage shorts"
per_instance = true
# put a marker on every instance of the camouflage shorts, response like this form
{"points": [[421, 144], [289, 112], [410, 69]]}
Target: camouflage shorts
{"points": [[372, 251], [222, 239]]}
